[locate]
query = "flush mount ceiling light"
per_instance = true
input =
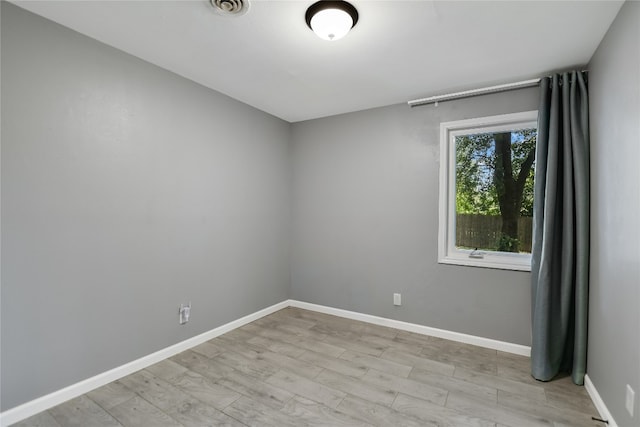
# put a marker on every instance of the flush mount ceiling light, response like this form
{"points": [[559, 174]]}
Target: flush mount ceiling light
{"points": [[331, 20]]}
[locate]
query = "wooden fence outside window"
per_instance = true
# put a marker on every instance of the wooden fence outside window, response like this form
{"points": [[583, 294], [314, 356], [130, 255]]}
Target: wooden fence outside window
{"points": [[483, 231]]}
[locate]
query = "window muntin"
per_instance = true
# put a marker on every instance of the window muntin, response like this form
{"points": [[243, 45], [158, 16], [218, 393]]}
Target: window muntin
{"points": [[486, 191]]}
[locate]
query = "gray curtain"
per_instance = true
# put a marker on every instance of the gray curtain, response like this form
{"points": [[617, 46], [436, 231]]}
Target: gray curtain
{"points": [[560, 253]]}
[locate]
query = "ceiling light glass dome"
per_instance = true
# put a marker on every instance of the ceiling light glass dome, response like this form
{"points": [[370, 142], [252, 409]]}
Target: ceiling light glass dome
{"points": [[331, 20]]}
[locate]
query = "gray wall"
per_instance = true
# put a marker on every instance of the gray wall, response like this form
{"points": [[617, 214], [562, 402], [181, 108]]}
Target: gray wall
{"points": [[126, 190], [614, 304], [365, 208]]}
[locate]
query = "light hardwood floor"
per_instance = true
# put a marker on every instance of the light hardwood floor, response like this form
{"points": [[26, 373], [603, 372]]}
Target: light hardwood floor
{"points": [[302, 368]]}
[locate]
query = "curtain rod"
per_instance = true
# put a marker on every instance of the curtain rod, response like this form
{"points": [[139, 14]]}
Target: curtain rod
{"points": [[474, 92]]}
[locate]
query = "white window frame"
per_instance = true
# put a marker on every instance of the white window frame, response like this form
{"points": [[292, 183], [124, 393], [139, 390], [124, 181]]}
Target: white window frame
{"points": [[447, 252]]}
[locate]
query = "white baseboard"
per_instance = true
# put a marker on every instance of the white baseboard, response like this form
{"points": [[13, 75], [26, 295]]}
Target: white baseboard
{"points": [[43, 403], [507, 347], [598, 402]]}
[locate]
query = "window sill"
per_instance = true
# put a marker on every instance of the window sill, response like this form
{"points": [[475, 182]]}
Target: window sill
{"points": [[519, 263]]}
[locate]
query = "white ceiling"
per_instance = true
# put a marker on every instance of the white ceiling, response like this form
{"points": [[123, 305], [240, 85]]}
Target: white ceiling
{"points": [[399, 50]]}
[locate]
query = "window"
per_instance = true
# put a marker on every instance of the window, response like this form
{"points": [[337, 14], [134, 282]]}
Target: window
{"points": [[486, 191]]}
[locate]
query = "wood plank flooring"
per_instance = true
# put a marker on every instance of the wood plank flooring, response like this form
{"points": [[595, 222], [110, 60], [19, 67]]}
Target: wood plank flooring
{"points": [[302, 368]]}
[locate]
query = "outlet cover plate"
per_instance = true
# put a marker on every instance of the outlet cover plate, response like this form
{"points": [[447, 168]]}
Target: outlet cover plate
{"points": [[397, 299], [184, 313]]}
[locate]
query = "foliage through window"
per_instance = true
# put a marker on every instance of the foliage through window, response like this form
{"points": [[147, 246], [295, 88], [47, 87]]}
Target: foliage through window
{"points": [[486, 191]]}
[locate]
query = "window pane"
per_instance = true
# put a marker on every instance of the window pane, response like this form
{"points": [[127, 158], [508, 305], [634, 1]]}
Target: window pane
{"points": [[494, 190]]}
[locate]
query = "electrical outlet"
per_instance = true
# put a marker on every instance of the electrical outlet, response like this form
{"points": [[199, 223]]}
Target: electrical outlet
{"points": [[397, 299], [184, 313], [631, 398]]}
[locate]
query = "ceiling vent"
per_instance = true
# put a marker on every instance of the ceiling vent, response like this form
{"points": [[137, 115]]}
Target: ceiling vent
{"points": [[230, 7]]}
